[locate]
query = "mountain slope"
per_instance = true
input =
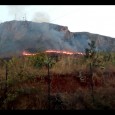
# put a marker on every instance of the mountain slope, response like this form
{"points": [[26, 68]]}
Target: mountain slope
{"points": [[17, 36]]}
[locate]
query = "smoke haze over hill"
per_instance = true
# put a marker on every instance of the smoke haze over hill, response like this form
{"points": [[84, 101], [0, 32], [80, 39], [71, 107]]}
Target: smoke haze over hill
{"points": [[17, 36]]}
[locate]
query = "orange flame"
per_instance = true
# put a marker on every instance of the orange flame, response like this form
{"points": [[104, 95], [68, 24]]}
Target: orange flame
{"points": [[27, 53], [58, 51], [64, 52], [54, 51]]}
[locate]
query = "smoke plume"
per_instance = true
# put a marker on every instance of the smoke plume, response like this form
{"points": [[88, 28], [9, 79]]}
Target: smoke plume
{"points": [[17, 10], [18, 36], [41, 17]]}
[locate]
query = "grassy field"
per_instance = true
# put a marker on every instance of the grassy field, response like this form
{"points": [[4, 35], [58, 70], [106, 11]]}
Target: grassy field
{"points": [[73, 84]]}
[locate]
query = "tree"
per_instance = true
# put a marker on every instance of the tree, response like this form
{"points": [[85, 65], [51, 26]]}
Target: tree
{"points": [[49, 62], [90, 52], [94, 61]]}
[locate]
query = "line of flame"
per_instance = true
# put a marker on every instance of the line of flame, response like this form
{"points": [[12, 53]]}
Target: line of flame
{"points": [[64, 52], [27, 53], [53, 51]]}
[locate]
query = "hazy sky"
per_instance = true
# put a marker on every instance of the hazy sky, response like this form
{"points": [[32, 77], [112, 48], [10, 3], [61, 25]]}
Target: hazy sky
{"points": [[98, 19]]}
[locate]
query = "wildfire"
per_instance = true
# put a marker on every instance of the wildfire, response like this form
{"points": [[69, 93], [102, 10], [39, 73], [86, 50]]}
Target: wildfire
{"points": [[54, 51], [27, 53], [63, 52], [59, 51]]}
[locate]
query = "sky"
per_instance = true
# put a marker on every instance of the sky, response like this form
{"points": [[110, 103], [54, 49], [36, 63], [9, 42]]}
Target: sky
{"points": [[98, 19]]}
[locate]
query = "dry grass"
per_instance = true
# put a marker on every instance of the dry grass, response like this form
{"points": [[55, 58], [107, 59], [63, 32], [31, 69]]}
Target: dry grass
{"points": [[27, 85], [68, 65]]}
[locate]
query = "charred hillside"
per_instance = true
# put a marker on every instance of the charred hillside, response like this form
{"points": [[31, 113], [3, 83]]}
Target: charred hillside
{"points": [[17, 36]]}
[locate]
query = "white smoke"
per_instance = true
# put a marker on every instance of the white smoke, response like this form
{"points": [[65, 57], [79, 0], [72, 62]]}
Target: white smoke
{"points": [[41, 17], [18, 11]]}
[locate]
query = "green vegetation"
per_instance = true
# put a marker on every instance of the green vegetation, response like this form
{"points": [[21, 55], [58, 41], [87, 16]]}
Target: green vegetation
{"points": [[24, 81]]}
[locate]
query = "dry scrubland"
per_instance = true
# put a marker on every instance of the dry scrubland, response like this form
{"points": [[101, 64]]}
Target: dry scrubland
{"points": [[24, 82]]}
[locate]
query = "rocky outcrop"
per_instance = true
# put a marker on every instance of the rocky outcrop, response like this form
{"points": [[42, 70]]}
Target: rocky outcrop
{"points": [[16, 36]]}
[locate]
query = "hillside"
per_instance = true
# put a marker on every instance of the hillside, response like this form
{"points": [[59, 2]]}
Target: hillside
{"points": [[18, 36]]}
